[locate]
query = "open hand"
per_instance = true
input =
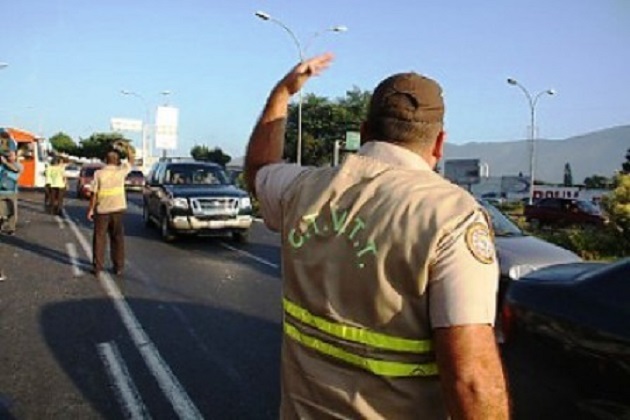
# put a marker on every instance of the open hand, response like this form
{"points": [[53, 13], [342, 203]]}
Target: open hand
{"points": [[297, 77]]}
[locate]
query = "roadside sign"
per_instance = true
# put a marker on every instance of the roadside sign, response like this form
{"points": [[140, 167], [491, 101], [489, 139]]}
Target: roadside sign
{"points": [[353, 140], [126, 124], [166, 119]]}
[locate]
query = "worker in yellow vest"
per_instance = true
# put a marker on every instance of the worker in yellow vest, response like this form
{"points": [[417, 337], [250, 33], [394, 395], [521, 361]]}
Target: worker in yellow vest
{"points": [[108, 204], [389, 271], [56, 183]]}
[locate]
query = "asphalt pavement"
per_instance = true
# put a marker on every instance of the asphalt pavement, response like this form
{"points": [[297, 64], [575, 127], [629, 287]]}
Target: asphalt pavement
{"points": [[190, 330]]}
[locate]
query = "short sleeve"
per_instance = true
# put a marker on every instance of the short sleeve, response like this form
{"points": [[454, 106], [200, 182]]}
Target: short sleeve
{"points": [[95, 183], [271, 183], [463, 281]]}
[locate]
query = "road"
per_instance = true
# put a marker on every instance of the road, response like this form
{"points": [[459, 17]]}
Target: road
{"points": [[191, 329]]}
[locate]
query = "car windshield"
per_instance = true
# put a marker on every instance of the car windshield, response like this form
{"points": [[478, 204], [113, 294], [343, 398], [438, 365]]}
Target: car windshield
{"points": [[195, 175], [90, 171], [501, 224], [587, 207], [135, 174]]}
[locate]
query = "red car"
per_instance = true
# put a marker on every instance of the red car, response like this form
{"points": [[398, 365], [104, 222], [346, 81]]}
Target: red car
{"points": [[84, 182]]}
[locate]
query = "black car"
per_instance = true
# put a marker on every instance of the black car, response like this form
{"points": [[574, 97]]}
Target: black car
{"points": [[192, 197], [580, 315]]}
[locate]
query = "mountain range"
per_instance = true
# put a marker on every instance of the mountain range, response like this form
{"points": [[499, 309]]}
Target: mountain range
{"points": [[597, 153]]}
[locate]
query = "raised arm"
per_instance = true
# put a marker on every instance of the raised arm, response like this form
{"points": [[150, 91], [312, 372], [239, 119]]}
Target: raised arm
{"points": [[266, 143]]}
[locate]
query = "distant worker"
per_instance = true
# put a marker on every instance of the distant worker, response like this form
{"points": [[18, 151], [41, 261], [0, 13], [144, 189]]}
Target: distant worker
{"points": [[389, 271], [10, 170], [56, 184], [107, 207]]}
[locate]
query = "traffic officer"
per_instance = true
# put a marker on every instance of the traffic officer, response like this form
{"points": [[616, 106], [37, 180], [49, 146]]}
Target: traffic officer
{"points": [[55, 185], [107, 207], [389, 271]]}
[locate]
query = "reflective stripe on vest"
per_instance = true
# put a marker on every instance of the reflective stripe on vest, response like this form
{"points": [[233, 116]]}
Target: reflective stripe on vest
{"points": [[110, 192], [362, 336]]}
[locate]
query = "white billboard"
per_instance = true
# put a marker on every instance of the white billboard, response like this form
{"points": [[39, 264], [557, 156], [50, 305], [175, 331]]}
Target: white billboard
{"points": [[166, 119], [126, 124]]}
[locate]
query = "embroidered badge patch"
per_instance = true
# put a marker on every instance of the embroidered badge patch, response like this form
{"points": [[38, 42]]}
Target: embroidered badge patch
{"points": [[479, 242]]}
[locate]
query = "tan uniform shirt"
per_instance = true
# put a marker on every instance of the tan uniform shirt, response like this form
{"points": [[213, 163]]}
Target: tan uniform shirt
{"points": [[109, 187], [384, 245]]}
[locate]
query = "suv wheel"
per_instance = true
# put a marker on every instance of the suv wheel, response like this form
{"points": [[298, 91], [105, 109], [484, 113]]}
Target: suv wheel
{"points": [[165, 230], [146, 218], [240, 236]]}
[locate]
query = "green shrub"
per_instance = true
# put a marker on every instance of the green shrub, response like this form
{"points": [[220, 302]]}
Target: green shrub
{"points": [[589, 243]]}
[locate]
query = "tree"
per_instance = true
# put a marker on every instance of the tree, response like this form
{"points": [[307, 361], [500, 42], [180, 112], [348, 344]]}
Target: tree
{"points": [[625, 166], [597, 182], [323, 122], [617, 206], [568, 176], [98, 144], [216, 155], [63, 143]]}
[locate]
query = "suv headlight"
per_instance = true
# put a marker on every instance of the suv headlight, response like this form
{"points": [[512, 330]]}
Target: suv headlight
{"points": [[245, 203], [179, 202], [518, 271]]}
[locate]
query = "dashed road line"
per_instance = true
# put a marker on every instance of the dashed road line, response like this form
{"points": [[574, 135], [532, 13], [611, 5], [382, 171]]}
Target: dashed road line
{"points": [[250, 255], [59, 220], [168, 383], [125, 389], [74, 259]]}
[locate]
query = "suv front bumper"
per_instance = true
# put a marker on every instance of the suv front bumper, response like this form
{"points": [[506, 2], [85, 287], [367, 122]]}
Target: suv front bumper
{"points": [[192, 223]]}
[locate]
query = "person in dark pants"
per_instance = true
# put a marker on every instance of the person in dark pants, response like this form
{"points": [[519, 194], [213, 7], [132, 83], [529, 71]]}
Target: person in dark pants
{"points": [[10, 170], [107, 207], [56, 186]]}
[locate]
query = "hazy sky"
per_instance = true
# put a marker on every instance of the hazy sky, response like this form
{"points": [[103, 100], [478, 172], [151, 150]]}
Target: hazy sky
{"points": [[69, 59]]}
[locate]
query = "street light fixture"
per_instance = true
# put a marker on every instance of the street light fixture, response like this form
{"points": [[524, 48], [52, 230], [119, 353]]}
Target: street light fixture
{"points": [[532, 101], [3, 65], [301, 52]]}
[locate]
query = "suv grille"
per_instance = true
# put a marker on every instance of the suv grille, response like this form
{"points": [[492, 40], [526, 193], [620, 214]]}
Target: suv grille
{"points": [[214, 206]]}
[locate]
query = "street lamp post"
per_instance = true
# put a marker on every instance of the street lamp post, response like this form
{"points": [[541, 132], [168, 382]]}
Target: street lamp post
{"points": [[145, 125], [301, 53], [532, 101]]}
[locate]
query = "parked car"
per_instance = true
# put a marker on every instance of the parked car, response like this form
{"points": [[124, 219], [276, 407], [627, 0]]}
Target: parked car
{"points": [[564, 212], [191, 197], [84, 181], [72, 171], [576, 314], [519, 253], [134, 181]]}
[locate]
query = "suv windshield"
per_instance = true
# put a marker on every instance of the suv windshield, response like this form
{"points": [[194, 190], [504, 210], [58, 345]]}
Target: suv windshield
{"points": [[501, 224], [195, 175]]}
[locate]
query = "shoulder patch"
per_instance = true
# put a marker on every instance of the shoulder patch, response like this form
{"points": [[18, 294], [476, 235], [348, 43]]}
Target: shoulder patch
{"points": [[479, 242]]}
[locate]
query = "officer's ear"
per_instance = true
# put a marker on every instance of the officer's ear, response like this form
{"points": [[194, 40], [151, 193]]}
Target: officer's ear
{"points": [[438, 146]]}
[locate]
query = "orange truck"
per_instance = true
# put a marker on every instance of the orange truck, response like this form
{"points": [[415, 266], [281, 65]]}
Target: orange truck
{"points": [[31, 154]]}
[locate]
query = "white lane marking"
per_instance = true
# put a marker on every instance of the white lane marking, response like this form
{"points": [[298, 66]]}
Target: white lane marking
{"points": [[126, 392], [165, 378], [250, 255], [60, 222], [74, 259]]}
